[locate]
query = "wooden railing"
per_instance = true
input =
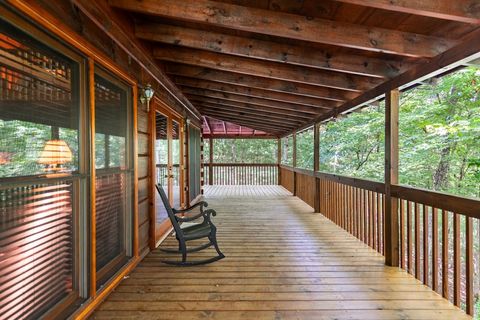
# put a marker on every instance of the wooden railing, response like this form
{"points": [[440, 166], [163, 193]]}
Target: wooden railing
{"points": [[240, 174], [162, 174], [438, 236]]}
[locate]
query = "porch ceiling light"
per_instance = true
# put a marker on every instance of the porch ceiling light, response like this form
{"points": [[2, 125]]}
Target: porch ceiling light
{"points": [[147, 95]]}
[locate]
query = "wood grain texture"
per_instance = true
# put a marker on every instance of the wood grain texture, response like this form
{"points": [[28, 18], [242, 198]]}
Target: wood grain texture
{"points": [[292, 26], [282, 262]]}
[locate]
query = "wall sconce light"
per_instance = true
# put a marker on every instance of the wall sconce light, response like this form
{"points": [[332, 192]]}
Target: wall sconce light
{"points": [[147, 95]]}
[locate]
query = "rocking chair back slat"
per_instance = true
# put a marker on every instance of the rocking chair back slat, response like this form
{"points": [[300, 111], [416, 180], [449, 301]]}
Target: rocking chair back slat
{"points": [[171, 215]]}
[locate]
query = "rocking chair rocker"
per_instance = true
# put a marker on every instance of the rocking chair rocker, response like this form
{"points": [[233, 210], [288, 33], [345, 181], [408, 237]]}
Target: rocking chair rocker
{"points": [[206, 229]]}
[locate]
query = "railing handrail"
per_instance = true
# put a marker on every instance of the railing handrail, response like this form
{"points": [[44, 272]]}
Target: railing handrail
{"points": [[459, 204], [351, 181], [241, 164]]}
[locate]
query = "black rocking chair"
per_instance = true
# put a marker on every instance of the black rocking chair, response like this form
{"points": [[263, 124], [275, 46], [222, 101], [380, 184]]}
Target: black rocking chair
{"points": [[206, 229]]}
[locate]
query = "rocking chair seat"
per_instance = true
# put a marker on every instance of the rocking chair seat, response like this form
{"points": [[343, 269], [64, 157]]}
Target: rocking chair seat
{"points": [[196, 231]]}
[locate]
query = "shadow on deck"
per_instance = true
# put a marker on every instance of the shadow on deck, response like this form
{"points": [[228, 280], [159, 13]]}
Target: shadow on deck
{"points": [[283, 262]]}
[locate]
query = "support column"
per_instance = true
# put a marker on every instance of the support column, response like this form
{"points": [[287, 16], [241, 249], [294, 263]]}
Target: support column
{"points": [[316, 164], [210, 162], [279, 161], [391, 177], [294, 162]]}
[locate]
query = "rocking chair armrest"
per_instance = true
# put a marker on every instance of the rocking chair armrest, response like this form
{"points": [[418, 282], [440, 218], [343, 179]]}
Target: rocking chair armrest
{"points": [[205, 214], [201, 204]]}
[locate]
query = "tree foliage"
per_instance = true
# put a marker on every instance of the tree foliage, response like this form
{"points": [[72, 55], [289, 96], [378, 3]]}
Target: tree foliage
{"points": [[244, 151], [439, 131]]}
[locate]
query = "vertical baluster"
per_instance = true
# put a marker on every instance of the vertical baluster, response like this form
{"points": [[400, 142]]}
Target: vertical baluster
{"points": [[469, 266], [355, 212], [409, 237], [402, 233], [417, 242], [372, 219], [379, 221], [456, 259], [425, 210], [375, 220], [350, 215], [445, 292], [435, 249]]}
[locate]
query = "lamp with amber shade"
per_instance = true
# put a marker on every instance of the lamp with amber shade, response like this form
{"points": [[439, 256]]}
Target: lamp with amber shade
{"points": [[55, 154]]}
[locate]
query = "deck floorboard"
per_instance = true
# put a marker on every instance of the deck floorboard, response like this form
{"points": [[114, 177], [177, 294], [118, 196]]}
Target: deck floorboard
{"points": [[282, 262]]}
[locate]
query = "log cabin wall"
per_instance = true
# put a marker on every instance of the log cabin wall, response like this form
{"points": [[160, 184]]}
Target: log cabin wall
{"points": [[144, 179], [75, 19], [72, 27]]}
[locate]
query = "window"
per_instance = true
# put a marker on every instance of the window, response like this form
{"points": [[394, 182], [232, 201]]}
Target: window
{"points": [[113, 174], [305, 150], [39, 174], [287, 150]]}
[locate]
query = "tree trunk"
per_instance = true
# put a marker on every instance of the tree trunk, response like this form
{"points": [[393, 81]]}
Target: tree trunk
{"points": [[440, 177]]}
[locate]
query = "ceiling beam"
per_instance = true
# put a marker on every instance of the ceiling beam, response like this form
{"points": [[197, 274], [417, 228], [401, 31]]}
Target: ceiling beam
{"points": [[293, 26], [467, 11], [257, 114], [252, 92], [254, 100], [300, 89], [111, 23], [240, 115], [270, 51], [251, 108], [267, 69], [216, 96]]}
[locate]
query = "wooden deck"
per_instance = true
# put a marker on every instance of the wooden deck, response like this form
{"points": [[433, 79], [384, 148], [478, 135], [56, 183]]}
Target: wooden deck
{"points": [[282, 262]]}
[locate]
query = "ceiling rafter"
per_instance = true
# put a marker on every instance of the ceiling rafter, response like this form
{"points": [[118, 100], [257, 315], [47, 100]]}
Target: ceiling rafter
{"points": [[221, 98], [250, 108], [267, 69], [292, 26], [246, 80], [242, 113], [270, 51], [467, 11], [255, 100], [251, 92], [246, 118]]}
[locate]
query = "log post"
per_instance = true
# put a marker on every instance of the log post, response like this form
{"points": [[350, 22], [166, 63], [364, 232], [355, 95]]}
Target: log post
{"points": [[279, 160], [316, 164], [210, 162], [391, 177], [294, 162]]}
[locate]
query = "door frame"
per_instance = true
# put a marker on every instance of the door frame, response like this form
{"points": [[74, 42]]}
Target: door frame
{"points": [[160, 231]]}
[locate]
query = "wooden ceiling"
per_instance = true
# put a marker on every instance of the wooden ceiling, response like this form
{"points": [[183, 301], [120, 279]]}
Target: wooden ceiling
{"points": [[216, 128], [276, 65]]}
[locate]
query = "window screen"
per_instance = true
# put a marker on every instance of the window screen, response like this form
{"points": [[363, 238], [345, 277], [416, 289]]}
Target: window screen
{"points": [[38, 137], [113, 175]]}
